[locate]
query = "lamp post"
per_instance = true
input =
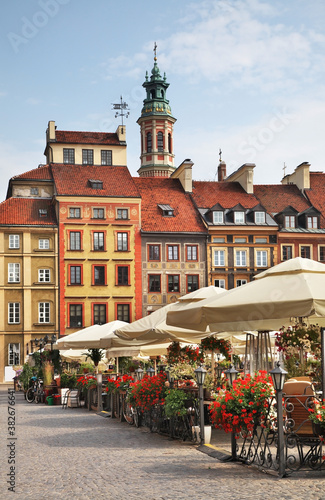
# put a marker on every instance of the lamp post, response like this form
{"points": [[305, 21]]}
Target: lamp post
{"points": [[150, 371], [99, 377], [278, 377], [231, 375], [170, 378], [200, 374], [139, 373]]}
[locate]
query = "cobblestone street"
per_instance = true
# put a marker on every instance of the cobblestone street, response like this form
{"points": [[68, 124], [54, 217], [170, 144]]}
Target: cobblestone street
{"points": [[76, 453]]}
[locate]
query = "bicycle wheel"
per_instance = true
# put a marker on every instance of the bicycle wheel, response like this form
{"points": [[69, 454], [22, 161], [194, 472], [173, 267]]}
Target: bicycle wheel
{"points": [[37, 399], [127, 412], [30, 395]]}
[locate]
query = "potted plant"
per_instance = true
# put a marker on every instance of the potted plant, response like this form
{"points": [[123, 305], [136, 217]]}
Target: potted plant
{"points": [[317, 416], [96, 355], [175, 403]]}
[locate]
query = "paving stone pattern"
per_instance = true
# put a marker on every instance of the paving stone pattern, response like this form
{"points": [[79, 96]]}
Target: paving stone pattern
{"points": [[75, 453]]}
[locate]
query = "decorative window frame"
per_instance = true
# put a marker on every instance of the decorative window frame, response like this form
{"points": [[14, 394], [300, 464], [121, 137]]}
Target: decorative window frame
{"points": [[82, 314], [69, 274]]}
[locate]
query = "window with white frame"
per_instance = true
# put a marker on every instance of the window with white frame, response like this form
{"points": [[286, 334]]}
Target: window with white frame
{"points": [[74, 213], [122, 213], [289, 221], [75, 240], [13, 312], [173, 252], [219, 258], [220, 283], [217, 217], [13, 354], [106, 157], [191, 252], [122, 242], [13, 240], [14, 272], [44, 312], [98, 213], [261, 258], [239, 217], [99, 241], [259, 217], [87, 156], [240, 282], [68, 155], [312, 223], [43, 243], [241, 258], [43, 275]]}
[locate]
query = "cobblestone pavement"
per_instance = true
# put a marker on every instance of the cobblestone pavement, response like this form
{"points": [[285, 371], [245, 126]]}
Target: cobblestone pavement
{"points": [[76, 453]]}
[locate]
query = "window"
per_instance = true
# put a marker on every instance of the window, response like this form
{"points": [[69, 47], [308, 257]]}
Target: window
{"points": [[322, 253], [192, 282], [123, 312], [217, 217], [99, 314], [98, 241], [14, 312], [74, 213], [172, 252], [220, 283], [154, 283], [13, 354], [42, 212], [98, 213], [169, 143], [261, 240], [75, 315], [122, 242], [43, 275], [122, 213], [87, 156], [241, 258], [44, 244], [191, 252], [312, 223], [44, 312], [106, 157], [122, 275], [305, 252], [13, 240], [261, 258], [14, 273], [99, 275], [34, 191], [218, 240], [286, 252], [259, 217], [289, 221], [173, 283], [68, 155], [240, 240], [75, 275], [219, 258], [154, 252], [149, 142], [75, 240], [160, 142], [239, 218], [240, 282], [95, 184]]}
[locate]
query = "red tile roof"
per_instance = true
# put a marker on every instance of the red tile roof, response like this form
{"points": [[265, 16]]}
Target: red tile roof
{"points": [[165, 191], [316, 194], [73, 180], [25, 211], [276, 197], [207, 193], [70, 137], [41, 173]]}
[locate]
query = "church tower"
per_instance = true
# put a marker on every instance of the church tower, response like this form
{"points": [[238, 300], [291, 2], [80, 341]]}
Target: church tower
{"points": [[156, 123]]}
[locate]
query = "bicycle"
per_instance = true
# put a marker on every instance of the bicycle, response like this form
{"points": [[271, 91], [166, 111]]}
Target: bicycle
{"points": [[35, 392]]}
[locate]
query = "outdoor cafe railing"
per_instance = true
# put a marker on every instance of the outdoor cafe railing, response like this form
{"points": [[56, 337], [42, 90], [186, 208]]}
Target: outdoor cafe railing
{"points": [[303, 441]]}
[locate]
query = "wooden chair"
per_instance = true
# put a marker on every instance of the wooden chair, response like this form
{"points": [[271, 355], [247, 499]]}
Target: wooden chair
{"points": [[299, 396]]}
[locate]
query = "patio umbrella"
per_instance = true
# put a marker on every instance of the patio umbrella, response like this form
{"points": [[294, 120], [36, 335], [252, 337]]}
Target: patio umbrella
{"points": [[292, 289], [154, 328], [88, 338]]}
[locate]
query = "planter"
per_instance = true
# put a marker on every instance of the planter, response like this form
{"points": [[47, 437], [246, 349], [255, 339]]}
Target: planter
{"points": [[318, 429]]}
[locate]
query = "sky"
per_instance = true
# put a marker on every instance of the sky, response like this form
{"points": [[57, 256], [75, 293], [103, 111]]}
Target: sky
{"points": [[246, 77]]}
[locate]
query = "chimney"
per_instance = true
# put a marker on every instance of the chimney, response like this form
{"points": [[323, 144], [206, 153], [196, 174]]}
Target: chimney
{"points": [[51, 131], [222, 171]]}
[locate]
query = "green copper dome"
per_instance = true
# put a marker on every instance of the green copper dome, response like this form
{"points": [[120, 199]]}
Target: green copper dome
{"points": [[155, 102]]}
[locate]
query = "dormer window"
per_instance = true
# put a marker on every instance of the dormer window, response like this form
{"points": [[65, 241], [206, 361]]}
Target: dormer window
{"points": [[218, 217], [239, 217], [312, 222], [94, 184], [167, 210], [34, 191], [259, 217], [289, 221], [42, 212]]}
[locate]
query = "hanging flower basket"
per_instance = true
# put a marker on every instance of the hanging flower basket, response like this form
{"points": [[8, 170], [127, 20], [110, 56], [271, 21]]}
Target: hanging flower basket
{"points": [[213, 344]]}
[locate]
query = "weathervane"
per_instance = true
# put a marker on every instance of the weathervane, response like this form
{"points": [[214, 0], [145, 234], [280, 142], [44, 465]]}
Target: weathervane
{"points": [[123, 110], [220, 153], [155, 51], [284, 169]]}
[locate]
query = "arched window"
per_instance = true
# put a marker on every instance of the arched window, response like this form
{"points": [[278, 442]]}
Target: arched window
{"points": [[160, 141], [169, 143], [149, 142]]}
